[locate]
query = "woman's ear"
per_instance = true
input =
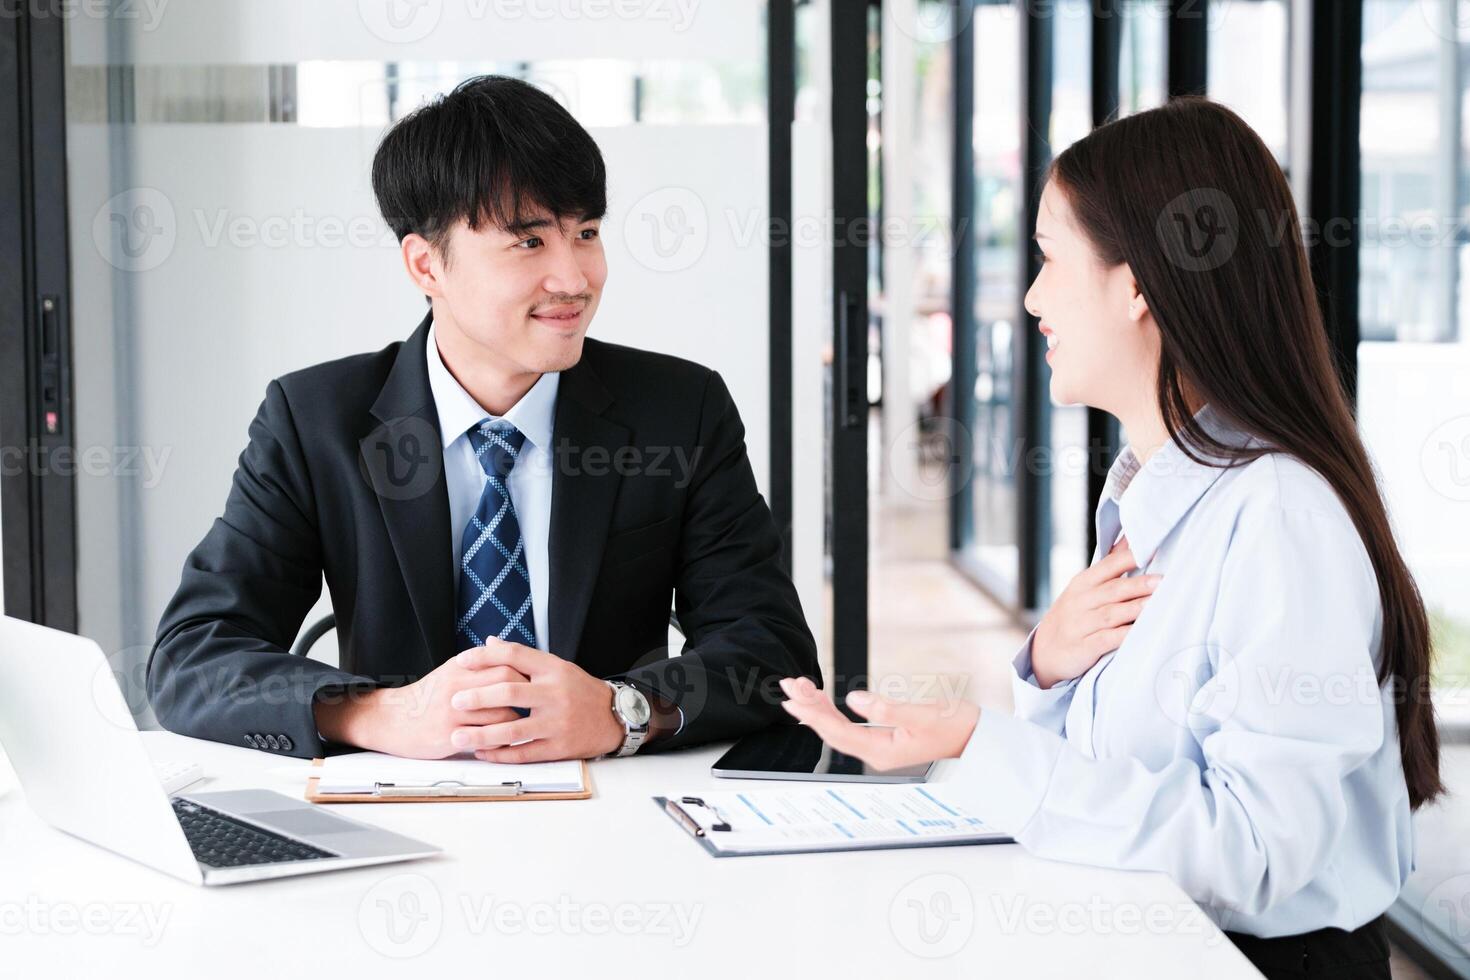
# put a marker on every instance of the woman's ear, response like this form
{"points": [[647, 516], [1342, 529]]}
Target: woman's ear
{"points": [[1137, 305]]}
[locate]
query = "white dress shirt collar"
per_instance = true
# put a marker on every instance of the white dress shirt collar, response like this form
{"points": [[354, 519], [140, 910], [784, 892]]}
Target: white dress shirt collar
{"points": [[1153, 497], [533, 415]]}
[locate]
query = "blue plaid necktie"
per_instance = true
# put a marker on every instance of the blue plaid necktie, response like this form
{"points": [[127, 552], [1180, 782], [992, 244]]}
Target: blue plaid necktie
{"points": [[494, 584]]}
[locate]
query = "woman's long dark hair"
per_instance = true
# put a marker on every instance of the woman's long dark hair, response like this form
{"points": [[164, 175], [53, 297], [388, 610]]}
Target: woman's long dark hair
{"points": [[1193, 201]]}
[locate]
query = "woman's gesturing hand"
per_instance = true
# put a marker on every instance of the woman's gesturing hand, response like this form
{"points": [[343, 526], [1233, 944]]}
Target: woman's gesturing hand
{"points": [[917, 733], [1090, 618]]}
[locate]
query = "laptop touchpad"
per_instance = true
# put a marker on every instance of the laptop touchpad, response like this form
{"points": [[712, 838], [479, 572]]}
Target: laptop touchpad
{"points": [[303, 822]]}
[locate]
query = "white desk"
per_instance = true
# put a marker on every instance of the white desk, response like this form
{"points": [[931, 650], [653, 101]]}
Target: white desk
{"points": [[603, 887]]}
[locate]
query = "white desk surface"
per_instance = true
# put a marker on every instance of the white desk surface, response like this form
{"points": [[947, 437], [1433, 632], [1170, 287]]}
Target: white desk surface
{"points": [[606, 887]]}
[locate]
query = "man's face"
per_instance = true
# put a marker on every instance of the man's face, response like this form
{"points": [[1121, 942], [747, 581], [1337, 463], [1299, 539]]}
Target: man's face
{"points": [[526, 295]]}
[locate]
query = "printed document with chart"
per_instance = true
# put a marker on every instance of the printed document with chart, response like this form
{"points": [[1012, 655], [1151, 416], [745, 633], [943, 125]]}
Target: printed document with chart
{"points": [[848, 817]]}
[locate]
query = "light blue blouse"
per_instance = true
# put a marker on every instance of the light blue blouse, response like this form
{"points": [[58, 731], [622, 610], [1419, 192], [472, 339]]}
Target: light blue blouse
{"points": [[1238, 739]]}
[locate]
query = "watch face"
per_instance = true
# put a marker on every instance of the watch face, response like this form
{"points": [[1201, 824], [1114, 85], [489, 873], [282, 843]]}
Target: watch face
{"points": [[633, 706]]}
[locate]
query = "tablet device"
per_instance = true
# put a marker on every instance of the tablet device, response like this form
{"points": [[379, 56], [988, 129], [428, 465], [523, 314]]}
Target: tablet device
{"points": [[797, 752]]}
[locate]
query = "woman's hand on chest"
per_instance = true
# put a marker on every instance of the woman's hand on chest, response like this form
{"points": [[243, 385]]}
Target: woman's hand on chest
{"points": [[1090, 618]]}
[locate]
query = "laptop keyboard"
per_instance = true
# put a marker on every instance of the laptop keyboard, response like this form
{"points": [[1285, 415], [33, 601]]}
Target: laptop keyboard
{"points": [[222, 841]]}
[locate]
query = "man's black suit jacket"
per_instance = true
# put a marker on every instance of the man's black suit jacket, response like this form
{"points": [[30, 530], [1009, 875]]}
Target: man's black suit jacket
{"points": [[652, 498]]}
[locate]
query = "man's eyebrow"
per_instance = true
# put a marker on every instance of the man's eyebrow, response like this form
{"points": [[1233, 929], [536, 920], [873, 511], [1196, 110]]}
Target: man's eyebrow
{"points": [[533, 224], [529, 224]]}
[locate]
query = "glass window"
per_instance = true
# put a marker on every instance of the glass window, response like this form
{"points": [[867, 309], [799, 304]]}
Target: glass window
{"points": [[999, 49], [1141, 50], [992, 537], [1071, 119], [927, 122], [1247, 65], [1413, 373]]}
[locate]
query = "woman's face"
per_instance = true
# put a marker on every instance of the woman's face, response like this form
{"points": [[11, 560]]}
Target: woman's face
{"points": [[1104, 345]]}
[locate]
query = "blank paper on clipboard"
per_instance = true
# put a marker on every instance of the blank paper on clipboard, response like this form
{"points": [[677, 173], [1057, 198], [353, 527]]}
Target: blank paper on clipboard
{"points": [[359, 772]]}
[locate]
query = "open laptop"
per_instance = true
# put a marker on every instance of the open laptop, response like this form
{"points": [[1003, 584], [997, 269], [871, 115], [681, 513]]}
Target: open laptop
{"points": [[79, 756]]}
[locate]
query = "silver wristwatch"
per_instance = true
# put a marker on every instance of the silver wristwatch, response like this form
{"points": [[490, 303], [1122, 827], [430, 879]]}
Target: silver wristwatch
{"points": [[631, 708]]}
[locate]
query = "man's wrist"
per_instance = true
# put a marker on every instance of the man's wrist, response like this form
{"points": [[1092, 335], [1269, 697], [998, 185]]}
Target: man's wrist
{"points": [[665, 717], [347, 718], [619, 732]]}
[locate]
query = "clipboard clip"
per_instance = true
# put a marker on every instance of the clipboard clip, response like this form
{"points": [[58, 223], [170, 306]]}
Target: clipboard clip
{"points": [[690, 824], [448, 787]]}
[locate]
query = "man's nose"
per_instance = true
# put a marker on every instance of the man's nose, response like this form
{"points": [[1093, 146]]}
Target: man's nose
{"points": [[566, 275]]}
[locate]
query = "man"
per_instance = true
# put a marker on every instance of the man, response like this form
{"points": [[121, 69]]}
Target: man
{"points": [[502, 508]]}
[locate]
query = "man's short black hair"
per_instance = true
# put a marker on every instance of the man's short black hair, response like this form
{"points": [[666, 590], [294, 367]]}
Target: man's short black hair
{"points": [[495, 150]]}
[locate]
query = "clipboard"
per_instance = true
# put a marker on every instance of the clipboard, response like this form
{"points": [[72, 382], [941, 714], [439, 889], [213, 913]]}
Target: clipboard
{"points": [[679, 811], [442, 792]]}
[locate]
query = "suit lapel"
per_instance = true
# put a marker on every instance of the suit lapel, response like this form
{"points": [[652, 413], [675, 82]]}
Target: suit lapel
{"points": [[403, 460], [584, 489]]}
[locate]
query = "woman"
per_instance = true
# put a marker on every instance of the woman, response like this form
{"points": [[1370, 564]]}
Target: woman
{"points": [[1236, 691]]}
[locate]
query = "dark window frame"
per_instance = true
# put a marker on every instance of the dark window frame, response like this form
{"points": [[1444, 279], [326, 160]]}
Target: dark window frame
{"points": [[37, 482], [780, 115], [848, 458]]}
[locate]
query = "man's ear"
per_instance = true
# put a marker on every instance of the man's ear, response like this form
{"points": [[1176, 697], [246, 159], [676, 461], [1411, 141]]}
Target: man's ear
{"points": [[422, 261]]}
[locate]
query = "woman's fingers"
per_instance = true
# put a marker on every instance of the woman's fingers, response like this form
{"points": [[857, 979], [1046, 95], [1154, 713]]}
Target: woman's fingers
{"points": [[810, 707], [1123, 589], [1103, 599], [1116, 614], [894, 714], [1117, 562], [1104, 642]]}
